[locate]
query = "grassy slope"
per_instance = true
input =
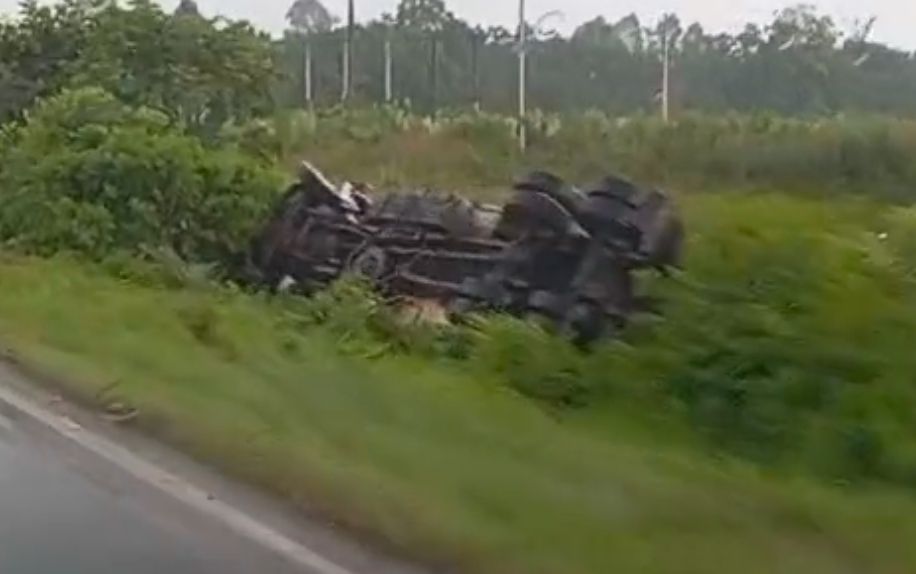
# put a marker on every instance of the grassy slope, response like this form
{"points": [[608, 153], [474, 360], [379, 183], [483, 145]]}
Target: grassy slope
{"points": [[457, 470]]}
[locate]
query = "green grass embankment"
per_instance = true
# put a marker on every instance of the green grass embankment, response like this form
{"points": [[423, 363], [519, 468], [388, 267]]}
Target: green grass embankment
{"points": [[784, 343]]}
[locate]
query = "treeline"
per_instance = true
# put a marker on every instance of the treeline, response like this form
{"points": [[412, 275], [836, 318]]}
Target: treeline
{"points": [[799, 63], [208, 70]]}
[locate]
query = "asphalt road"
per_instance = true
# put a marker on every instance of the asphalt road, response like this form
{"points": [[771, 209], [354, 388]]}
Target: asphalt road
{"points": [[74, 501], [61, 512]]}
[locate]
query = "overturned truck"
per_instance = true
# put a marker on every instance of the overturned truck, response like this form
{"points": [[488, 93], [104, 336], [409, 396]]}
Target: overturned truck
{"points": [[554, 251]]}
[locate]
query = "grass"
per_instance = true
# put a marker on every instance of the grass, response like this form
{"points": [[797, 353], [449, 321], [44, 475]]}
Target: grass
{"points": [[864, 155], [455, 469]]}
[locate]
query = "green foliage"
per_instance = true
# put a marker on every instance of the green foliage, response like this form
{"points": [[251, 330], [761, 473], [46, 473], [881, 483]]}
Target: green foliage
{"points": [[87, 173], [519, 356], [200, 73], [367, 326], [786, 340], [423, 15], [431, 459], [531, 361], [162, 269], [309, 16], [36, 50]]}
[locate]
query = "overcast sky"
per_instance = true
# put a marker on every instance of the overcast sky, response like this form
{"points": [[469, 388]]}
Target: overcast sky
{"points": [[896, 23]]}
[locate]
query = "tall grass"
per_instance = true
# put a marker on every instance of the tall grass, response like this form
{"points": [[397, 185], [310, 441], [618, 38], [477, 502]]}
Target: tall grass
{"points": [[869, 155]]}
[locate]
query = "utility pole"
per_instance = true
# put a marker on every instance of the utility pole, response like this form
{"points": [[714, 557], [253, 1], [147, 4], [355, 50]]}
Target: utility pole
{"points": [[434, 73], [347, 74], [308, 72], [475, 69], [522, 76], [389, 88]]}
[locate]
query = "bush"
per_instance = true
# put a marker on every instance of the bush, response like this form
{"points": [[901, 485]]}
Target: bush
{"points": [[532, 361], [786, 340], [86, 173]]}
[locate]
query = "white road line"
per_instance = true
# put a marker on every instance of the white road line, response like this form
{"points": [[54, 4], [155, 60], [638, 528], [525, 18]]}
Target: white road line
{"points": [[174, 486]]}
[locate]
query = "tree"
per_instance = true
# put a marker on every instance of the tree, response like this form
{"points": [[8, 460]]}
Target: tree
{"points": [[748, 41], [187, 8], [629, 30], [595, 32], [423, 15], [667, 31], [695, 39], [601, 35], [38, 48], [202, 73], [423, 21], [309, 17], [801, 25]]}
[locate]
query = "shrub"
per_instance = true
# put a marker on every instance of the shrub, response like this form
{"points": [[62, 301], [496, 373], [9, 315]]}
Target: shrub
{"points": [[86, 173], [786, 340], [787, 337], [533, 361]]}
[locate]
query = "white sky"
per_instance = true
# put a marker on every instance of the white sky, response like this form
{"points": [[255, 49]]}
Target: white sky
{"points": [[896, 22]]}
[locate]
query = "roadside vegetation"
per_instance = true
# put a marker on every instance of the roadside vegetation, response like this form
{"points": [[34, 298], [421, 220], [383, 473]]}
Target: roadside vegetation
{"points": [[443, 457], [765, 420], [863, 155]]}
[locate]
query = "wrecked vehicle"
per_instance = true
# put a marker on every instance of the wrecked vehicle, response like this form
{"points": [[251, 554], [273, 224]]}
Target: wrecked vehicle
{"points": [[565, 254]]}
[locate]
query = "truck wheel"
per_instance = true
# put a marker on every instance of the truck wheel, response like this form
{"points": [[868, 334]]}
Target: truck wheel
{"points": [[370, 263]]}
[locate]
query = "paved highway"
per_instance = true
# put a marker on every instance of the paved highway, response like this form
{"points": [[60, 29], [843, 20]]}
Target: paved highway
{"points": [[75, 501]]}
